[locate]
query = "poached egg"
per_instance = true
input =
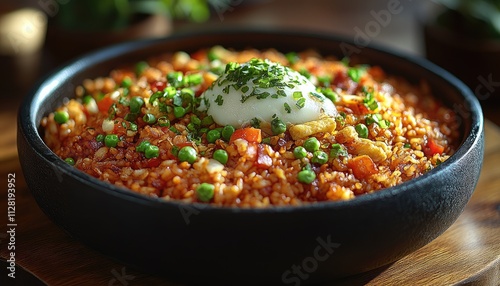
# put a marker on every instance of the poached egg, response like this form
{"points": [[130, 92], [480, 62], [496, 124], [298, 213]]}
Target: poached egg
{"points": [[262, 90]]}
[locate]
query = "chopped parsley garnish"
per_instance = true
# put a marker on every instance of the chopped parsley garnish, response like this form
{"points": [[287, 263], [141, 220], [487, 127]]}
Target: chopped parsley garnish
{"points": [[356, 73], [377, 118], [288, 109], [263, 74], [219, 100], [301, 103], [255, 122], [369, 99]]}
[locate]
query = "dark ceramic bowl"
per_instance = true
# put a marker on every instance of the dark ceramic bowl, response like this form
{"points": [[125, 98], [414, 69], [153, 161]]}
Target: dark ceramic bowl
{"points": [[290, 245]]}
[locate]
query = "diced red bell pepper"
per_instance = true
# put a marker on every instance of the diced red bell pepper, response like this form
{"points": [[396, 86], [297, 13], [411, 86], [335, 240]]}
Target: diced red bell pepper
{"points": [[250, 134]]}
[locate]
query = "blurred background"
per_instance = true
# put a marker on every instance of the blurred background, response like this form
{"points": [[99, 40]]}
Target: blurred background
{"points": [[37, 36]]}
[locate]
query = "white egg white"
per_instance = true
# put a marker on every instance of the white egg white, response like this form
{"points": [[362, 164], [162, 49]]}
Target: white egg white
{"points": [[297, 102]]}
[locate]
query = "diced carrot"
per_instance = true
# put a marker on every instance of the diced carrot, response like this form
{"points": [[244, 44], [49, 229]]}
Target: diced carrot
{"points": [[250, 134], [362, 166], [433, 148], [104, 104]]}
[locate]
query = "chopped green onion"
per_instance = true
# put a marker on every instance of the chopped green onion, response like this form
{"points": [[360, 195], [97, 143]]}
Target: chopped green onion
{"points": [[194, 79], [356, 73], [292, 57], [175, 78], [330, 94], [324, 80], [149, 118], [163, 121]]}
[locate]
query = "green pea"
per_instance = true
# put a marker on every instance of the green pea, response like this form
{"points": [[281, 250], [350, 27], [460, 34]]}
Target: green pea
{"points": [[111, 140], [205, 192], [87, 99], [306, 176], [362, 130], [299, 152], [140, 67], [142, 146], [61, 117], [278, 126], [319, 157], [191, 127], [70, 161], [132, 126], [135, 104], [149, 118], [175, 78], [163, 121], [213, 135], [130, 117], [187, 154], [207, 121], [227, 131], [151, 151], [179, 111], [194, 79], [221, 156], [266, 140], [337, 150], [195, 120], [170, 92], [126, 82], [312, 144], [99, 138]]}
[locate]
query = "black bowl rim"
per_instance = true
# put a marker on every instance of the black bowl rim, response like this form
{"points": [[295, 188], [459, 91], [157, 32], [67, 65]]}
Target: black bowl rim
{"points": [[29, 128]]}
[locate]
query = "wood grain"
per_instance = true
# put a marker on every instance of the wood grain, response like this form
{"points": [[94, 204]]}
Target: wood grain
{"points": [[467, 253]]}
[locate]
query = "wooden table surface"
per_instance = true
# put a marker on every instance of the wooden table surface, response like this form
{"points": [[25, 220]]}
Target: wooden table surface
{"points": [[469, 251]]}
